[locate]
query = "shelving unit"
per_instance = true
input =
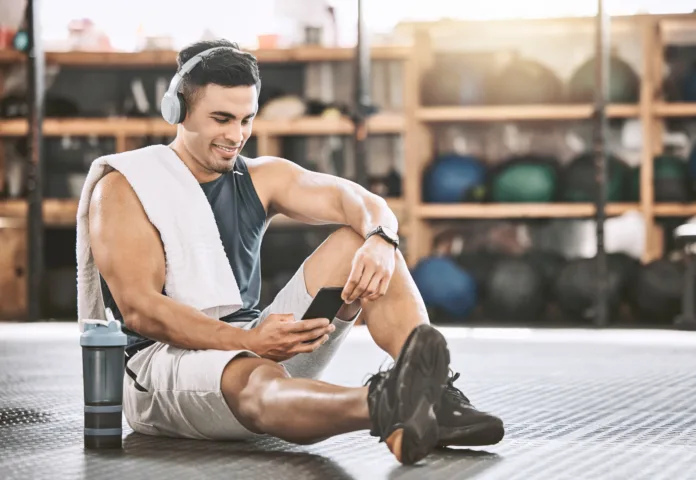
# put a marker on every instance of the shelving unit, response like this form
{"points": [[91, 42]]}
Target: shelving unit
{"points": [[415, 124], [651, 109]]}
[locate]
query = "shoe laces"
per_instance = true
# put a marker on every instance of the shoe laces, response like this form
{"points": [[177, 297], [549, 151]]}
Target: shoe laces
{"points": [[452, 391]]}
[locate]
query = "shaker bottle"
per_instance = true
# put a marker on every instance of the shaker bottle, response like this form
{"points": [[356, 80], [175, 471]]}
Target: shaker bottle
{"points": [[103, 364]]}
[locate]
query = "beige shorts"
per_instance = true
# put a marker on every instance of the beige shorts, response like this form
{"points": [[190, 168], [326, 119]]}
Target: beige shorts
{"points": [[178, 391]]}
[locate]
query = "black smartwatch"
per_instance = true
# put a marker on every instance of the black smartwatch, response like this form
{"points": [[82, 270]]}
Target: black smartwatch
{"points": [[387, 234]]}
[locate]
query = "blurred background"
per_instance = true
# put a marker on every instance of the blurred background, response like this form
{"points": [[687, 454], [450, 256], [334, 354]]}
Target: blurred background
{"points": [[480, 138]]}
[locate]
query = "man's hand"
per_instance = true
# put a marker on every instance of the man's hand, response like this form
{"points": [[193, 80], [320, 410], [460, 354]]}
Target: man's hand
{"points": [[372, 270], [279, 337]]}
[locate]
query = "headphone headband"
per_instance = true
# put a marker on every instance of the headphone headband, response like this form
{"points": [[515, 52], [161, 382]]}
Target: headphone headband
{"points": [[172, 107]]}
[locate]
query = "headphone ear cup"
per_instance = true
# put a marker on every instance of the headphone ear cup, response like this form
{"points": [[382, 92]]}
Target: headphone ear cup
{"points": [[182, 107]]}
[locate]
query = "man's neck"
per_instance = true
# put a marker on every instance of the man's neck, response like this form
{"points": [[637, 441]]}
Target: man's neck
{"points": [[202, 175]]}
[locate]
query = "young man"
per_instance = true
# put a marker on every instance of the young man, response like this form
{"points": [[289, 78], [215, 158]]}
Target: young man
{"points": [[255, 372]]}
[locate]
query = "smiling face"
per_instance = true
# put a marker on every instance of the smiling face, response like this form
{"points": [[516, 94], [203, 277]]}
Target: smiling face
{"points": [[217, 125]]}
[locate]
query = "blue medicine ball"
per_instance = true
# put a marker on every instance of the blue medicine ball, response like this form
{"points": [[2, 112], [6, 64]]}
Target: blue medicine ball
{"points": [[444, 285], [453, 179]]}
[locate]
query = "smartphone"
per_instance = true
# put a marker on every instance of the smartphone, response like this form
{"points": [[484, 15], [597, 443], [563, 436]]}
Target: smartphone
{"points": [[326, 304]]}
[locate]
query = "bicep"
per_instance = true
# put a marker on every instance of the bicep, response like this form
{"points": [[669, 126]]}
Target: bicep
{"points": [[127, 248]]}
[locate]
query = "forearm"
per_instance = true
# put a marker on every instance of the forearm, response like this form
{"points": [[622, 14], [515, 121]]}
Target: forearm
{"points": [[364, 211], [165, 320]]}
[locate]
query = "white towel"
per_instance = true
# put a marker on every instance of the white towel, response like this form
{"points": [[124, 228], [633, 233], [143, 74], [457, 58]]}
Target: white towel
{"points": [[198, 272]]}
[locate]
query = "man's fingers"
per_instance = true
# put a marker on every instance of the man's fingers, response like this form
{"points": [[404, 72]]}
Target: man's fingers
{"points": [[356, 274], [310, 347], [372, 290], [306, 325], [312, 334], [359, 291]]}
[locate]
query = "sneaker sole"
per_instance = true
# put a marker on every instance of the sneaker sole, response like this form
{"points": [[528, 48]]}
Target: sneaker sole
{"points": [[421, 383], [477, 435]]}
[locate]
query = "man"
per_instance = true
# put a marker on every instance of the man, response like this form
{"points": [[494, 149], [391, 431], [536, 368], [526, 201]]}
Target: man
{"points": [[255, 372]]}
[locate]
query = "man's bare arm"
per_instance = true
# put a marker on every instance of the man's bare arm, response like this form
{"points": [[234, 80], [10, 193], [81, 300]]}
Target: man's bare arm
{"points": [[129, 254], [318, 198]]}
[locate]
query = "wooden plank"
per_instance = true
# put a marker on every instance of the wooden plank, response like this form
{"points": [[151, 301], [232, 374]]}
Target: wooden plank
{"points": [[674, 209], [666, 110], [130, 127], [167, 58], [13, 272], [495, 113], [57, 212], [517, 210], [649, 42]]}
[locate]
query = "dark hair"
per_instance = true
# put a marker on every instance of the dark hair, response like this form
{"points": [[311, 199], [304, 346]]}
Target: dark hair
{"points": [[230, 67]]}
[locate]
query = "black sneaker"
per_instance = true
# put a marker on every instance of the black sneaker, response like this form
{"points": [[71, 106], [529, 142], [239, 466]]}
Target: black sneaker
{"points": [[460, 424], [402, 400]]}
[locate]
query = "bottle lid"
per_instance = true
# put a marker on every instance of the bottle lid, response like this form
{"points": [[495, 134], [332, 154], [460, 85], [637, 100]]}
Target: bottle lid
{"points": [[103, 333]]}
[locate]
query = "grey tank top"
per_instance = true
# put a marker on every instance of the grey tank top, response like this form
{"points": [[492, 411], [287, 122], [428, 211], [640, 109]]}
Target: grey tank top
{"points": [[241, 221]]}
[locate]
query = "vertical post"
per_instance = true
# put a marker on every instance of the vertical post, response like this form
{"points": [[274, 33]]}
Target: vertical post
{"points": [[362, 98], [35, 83], [602, 46]]}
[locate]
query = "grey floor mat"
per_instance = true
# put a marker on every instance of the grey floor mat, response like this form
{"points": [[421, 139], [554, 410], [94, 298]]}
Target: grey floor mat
{"points": [[596, 408]]}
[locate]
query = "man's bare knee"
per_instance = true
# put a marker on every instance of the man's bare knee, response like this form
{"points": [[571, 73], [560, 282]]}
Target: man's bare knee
{"points": [[244, 384], [330, 264]]}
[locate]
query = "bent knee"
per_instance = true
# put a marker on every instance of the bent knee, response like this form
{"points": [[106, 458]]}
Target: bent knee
{"points": [[347, 238], [250, 401]]}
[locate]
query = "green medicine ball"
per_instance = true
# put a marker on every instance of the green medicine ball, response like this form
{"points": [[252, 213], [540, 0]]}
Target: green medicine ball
{"points": [[670, 180], [525, 183]]}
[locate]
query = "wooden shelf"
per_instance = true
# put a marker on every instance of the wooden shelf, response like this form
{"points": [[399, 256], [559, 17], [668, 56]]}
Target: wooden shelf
{"points": [[674, 209], [167, 58], [57, 212], [494, 113], [675, 109], [517, 210], [383, 123], [63, 212]]}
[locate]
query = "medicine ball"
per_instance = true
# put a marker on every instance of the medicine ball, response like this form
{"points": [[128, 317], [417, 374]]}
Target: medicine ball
{"points": [[670, 180], [525, 180], [548, 264], [624, 84], [689, 84], [579, 179], [515, 291], [454, 79], [479, 265], [454, 178], [576, 288], [657, 294], [445, 286], [525, 81]]}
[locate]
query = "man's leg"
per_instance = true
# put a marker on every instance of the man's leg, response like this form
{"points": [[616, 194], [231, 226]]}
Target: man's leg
{"points": [[389, 319], [397, 406], [266, 400]]}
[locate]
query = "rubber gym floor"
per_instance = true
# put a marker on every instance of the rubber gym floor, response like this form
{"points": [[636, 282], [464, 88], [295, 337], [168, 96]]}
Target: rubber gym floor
{"points": [[578, 404]]}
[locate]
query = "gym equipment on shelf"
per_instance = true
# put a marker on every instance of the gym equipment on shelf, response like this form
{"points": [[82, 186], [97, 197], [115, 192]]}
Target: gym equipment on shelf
{"points": [[624, 83], [685, 235], [445, 287], [515, 291], [656, 296], [525, 81], [479, 264], [548, 264], [671, 181], [575, 288], [579, 182], [526, 179], [454, 178], [454, 79]]}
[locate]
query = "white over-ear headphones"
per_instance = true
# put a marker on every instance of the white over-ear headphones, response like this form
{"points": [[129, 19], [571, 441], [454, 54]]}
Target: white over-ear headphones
{"points": [[173, 106]]}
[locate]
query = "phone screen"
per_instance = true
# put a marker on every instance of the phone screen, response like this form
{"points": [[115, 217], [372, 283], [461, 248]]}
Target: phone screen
{"points": [[326, 304]]}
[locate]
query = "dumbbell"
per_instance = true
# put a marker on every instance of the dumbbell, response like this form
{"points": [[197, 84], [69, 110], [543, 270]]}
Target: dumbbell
{"points": [[685, 235]]}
